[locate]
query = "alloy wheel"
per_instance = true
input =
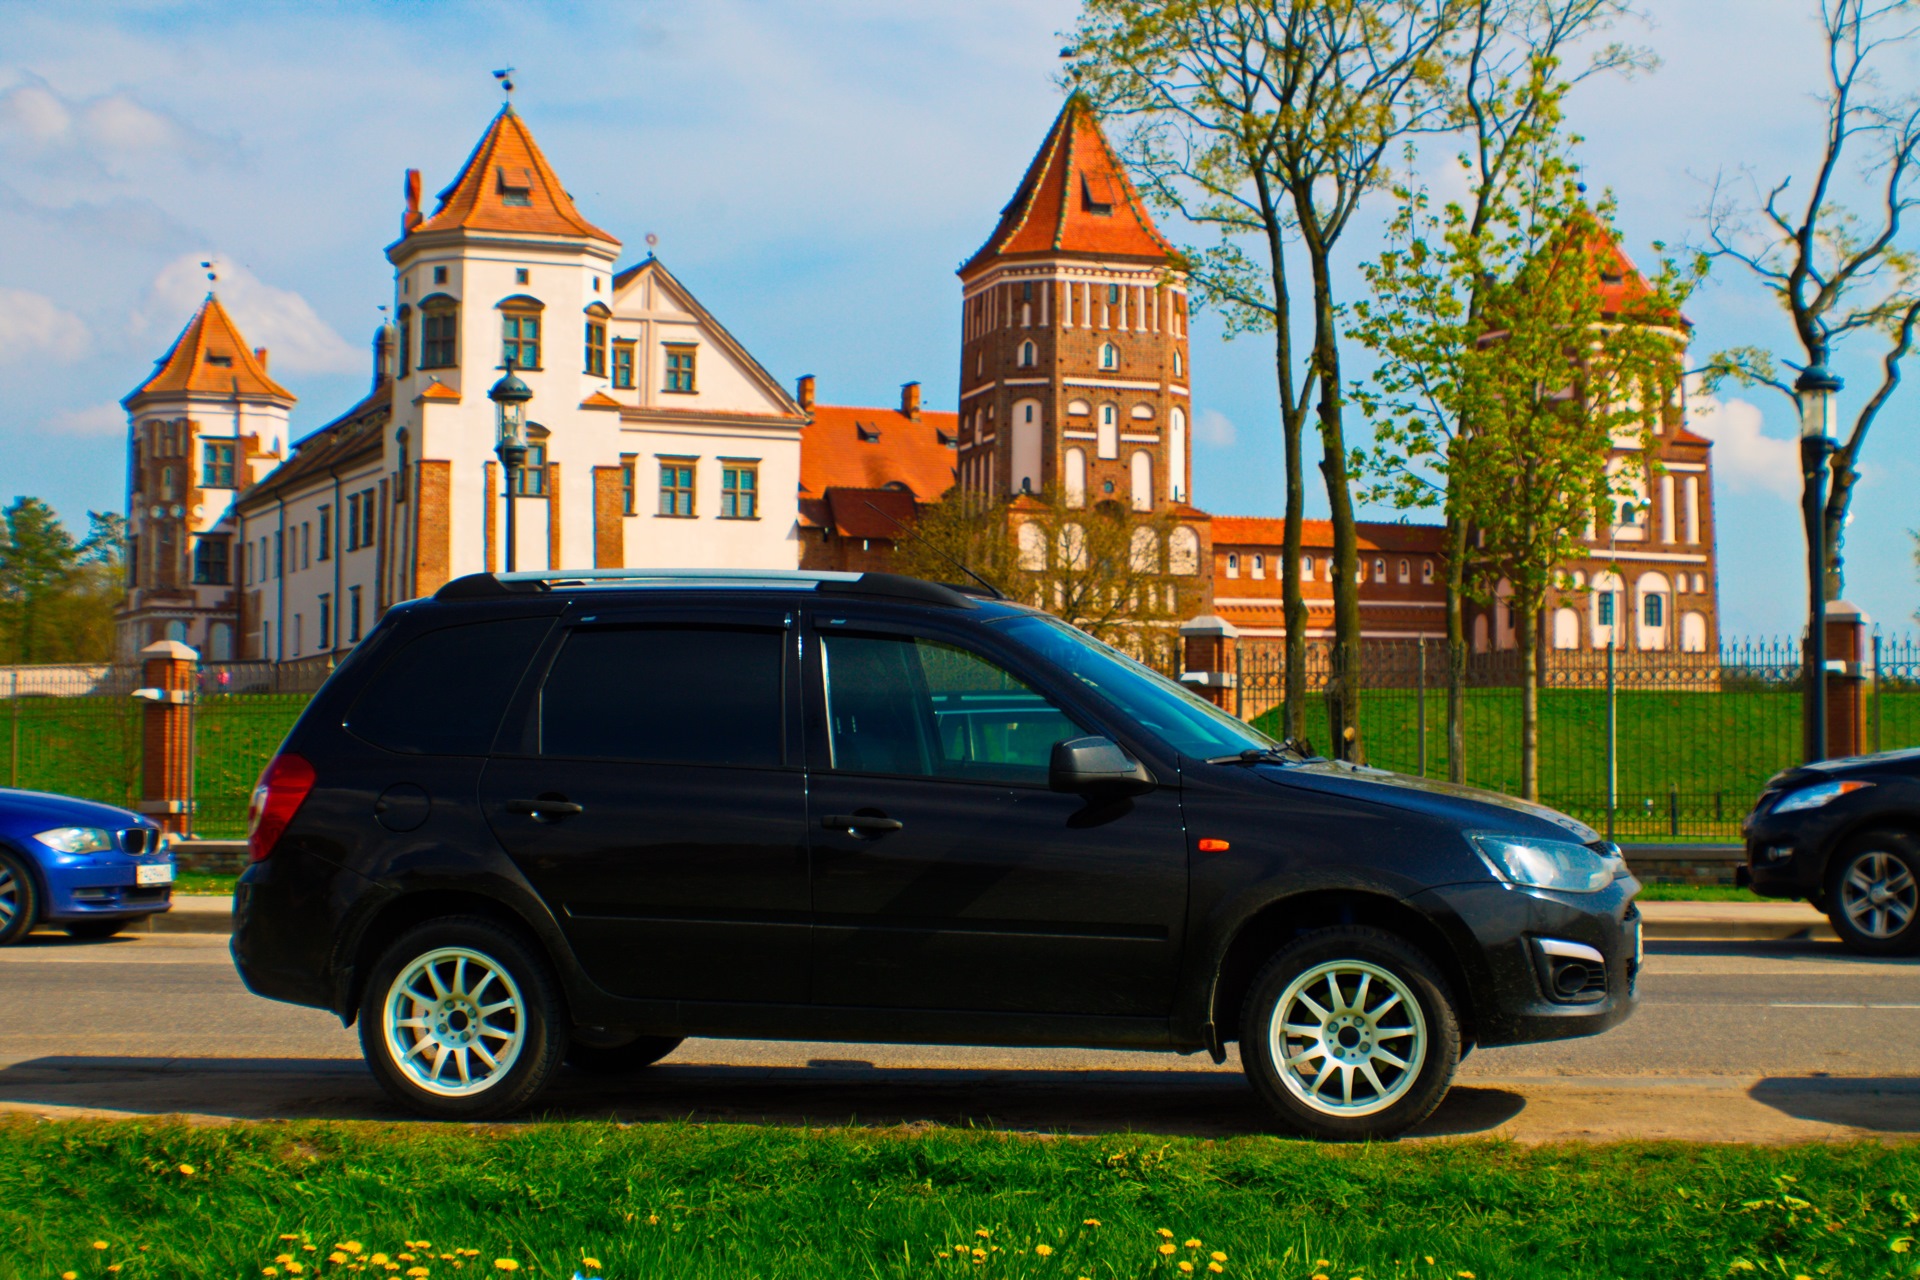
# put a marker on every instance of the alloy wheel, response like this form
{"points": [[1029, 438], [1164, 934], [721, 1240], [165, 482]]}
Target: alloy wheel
{"points": [[1348, 1038], [1879, 895], [454, 1021], [9, 897]]}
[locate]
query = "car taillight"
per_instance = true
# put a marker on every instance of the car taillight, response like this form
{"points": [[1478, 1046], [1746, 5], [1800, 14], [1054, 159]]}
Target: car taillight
{"points": [[282, 790]]}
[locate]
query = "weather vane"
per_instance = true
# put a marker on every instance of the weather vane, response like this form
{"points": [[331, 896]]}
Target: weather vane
{"points": [[213, 272], [505, 77]]}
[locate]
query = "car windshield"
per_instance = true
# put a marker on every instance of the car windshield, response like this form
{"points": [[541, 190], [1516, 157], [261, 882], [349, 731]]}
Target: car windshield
{"points": [[1188, 723]]}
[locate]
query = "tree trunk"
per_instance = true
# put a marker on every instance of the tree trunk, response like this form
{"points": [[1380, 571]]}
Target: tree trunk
{"points": [[1456, 649], [1343, 674], [1293, 601], [1528, 634], [1834, 522]]}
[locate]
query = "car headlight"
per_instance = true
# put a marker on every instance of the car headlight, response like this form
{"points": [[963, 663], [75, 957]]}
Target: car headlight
{"points": [[76, 839], [1548, 864], [1820, 794]]}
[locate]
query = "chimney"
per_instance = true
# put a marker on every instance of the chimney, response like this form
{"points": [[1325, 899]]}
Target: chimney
{"points": [[260, 358], [910, 400], [805, 392], [382, 356], [411, 218]]}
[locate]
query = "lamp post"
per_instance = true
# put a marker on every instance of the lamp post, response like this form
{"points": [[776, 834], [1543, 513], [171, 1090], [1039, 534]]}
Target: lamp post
{"points": [[511, 396], [1817, 389]]}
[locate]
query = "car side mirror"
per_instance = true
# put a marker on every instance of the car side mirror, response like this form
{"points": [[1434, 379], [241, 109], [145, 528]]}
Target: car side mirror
{"points": [[1096, 764]]}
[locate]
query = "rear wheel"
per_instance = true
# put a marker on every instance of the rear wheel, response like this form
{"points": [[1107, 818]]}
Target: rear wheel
{"points": [[1873, 894], [89, 930], [621, 1059], [19, 900], [461, 1020], [1349, 1034]]}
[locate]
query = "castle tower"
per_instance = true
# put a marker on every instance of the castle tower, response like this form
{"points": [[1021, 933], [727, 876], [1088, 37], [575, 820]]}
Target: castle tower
{"points": [[1074, 372], [207, 423]]}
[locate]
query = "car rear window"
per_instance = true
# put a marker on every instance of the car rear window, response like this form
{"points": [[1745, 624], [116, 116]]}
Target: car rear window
{"points": [[668, 695], [444, 693]]}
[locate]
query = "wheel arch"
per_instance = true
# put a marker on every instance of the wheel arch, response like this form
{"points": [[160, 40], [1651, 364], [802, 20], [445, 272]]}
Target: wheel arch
{"points": [[35, 872], [1280, 921], [404, 911]]}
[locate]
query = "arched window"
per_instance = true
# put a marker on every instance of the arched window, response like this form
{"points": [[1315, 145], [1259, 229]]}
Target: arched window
{"points": [[1566, 629], [1025, 476], [220, 642], [1109, 356], [1183, 551], [1079, 408], [1179, 365], [1233, 564], [1109, 438], [1145, 551], [1141, 467], [403, 338], [1379, 569], [1076, 482], [1259, 565], [1426, 571], [1027, 355], [1073, 547], [1033, 547], [1406, 571], [1693, 632], [520, 332], [439, 329], [1306, 568], [1177, 455]]}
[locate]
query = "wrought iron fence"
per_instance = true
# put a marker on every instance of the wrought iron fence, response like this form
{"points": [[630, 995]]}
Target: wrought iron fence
{"points": [[70, 730]]}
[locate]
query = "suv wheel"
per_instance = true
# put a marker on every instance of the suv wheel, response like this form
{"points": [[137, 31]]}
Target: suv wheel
{"points": [[622, 1059], [1349, 1034], [19, 901], [461, 1020], [1873, 894]]}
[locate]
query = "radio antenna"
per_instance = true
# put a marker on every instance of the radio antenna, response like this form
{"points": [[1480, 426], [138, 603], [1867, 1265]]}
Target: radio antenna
{"points": [[950, 558]]}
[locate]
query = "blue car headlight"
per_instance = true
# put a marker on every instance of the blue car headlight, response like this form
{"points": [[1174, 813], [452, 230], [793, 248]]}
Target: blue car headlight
{"points": [[76, 839], [1814, 797], [1547, 864]]}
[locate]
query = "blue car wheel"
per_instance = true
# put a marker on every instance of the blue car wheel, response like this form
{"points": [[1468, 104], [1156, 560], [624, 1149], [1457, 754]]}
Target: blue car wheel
{"points": [[19, 900]]}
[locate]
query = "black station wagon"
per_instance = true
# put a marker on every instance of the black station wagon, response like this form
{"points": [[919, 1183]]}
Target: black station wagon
{"points": [[574, 818]]}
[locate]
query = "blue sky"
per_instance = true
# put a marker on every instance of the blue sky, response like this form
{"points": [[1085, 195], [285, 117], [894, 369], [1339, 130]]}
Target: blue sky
{"points": [[815, 172]]}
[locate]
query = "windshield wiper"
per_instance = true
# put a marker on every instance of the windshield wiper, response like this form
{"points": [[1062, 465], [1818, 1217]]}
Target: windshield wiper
{"points": [[1289, 751]]}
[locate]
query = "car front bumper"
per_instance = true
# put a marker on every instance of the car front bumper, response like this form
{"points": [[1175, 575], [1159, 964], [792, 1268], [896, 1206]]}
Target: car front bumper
{"points": [[1506, 925], [1787, 854], [104, 891]]}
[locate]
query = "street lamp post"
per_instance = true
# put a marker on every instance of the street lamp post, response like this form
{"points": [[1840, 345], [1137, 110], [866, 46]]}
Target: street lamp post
{"points": [[1818, 389], [511, 396]]}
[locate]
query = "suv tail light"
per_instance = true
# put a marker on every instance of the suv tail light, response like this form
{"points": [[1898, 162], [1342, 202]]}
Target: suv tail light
{"points": [[282, 790]]}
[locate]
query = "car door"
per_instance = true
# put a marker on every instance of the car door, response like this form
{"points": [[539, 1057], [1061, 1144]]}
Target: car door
{"points": [[946, 874], [656, 800]]}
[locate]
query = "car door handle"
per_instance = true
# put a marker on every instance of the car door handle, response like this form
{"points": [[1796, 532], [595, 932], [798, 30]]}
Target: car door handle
{"points": [[545, 809], [861, 823]]}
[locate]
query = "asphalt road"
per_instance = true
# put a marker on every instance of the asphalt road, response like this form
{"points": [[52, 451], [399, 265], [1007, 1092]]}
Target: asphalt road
{"points": [[1755, 1041]]}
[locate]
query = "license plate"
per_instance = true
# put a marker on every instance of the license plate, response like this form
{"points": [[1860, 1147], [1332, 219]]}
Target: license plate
{"points": [[162, 874]]}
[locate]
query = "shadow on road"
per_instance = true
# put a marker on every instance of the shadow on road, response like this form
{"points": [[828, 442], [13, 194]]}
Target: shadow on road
{"points": [[1879, 1104], [829, 1092], [1774, 949]]}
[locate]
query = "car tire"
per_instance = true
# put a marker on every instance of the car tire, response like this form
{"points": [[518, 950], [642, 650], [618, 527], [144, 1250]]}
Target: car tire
{"points": [[19, 900], [1374, 1060], [462, 1019], [1873, 893], [93, 930], [622, 1059]]}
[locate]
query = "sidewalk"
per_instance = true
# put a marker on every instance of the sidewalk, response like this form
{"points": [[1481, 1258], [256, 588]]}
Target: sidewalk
{"points": [[1665, 921]]}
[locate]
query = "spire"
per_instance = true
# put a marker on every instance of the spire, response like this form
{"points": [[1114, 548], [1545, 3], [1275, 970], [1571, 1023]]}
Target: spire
{"points": [[1076, 198], [507, 185], [211, 357]]}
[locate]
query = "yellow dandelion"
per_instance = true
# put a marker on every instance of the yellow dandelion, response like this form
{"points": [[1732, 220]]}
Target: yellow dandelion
{"points": [[337, 1258], [114, 1269], [186, 1170], [984, 1234], [69, 1275], [418, 1273], [1321, 1263], [1186, 1268], [505, 1264], [378, 1259], [100, 1244], [265, 1271], [979, 1255], [310, 1248], [653, 1219], [393, 1266], [1319, 1275], [1091, 1222], [407, 1257], [1215, 1267], [284, 1257], [1163, 1233], [1043, 1250], [1468, 1275], [294, 1268], [591, 1264], [289, 1236], [1218, 1256], [350, 1246], [1167, 1248], [1193, 1244]]}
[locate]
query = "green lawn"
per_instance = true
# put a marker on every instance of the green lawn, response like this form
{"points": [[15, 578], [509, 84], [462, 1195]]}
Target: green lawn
{"points": [[312, 1200], [1699, 893]]}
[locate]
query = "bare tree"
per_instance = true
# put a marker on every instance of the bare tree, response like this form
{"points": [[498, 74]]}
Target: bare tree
{"points": [[1837, 274]]}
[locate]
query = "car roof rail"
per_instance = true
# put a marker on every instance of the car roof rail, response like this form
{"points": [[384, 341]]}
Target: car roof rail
{"points": [[481, 586]]}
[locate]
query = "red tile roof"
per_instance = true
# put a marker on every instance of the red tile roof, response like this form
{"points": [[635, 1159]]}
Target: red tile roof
{"points": [[507, 164], [870, 513], [210, 356], [847, 447], [1075, 198], [1263, 531]]}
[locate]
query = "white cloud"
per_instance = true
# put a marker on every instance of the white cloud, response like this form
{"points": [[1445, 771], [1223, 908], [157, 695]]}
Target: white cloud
{"points": [[95, 420], [37, 118], [1214, 429], [1744, 459], [34, 327], [278, 319]]}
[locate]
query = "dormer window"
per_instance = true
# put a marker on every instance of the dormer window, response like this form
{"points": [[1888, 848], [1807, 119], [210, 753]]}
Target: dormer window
{"points": [[866, 433], [221, 362], [1096, 194], [515, 185]]}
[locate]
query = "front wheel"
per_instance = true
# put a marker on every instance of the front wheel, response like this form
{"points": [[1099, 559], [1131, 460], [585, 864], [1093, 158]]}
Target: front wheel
{"points": [[1349, 1034], [461, 1020], [1873, 894], [19, 900]]}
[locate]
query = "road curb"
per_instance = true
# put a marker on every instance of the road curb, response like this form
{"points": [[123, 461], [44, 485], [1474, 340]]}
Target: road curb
{"points": [[1737, 931]]}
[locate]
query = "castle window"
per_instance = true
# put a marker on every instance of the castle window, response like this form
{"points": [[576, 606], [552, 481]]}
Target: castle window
{"points": [[403, 333], [1406, 572], [210, 560], [521, 275], [596, 366], [1259, 566], [220, 362], [216, 464], [1306, 568], [676, 487], [739, 483], [1179, 366], [516, 188], [1026, 291], [439, 323], [326, 531], [626, 485], [1426, 571], [439, 275], [1027, 355], [623, 364], [520, 339], [680, 368], [1109, 356], [1379, 570], [1113, 295], [529, 481], [1233, 564], [1656, 609]]}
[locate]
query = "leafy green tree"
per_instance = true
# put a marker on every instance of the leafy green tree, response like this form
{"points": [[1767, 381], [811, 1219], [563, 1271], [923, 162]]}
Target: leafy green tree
{"points": [[57, 596]]}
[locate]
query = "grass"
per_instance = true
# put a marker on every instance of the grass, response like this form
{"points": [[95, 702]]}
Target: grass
{"points": [[313, 1200], [194, 884], [1699, 893]]}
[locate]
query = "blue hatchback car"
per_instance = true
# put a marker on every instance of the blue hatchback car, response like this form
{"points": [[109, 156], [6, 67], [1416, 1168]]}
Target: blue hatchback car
{"points": [[88, 868]]}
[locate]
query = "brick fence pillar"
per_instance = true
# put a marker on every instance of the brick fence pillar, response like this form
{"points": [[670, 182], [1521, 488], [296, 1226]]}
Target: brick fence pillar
{"points": [[1846, 680], [169, 670], [1208, 662]]}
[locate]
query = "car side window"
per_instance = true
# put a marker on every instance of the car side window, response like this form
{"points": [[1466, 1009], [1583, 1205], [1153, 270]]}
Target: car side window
{"points": [[694, 694], [444, 692], [917, 707]]}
